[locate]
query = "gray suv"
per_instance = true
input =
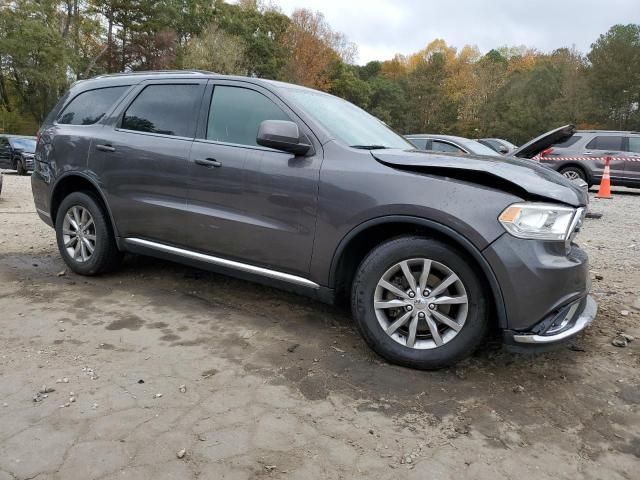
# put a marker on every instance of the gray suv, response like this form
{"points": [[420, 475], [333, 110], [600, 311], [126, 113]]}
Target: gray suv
{"points": [[300, 189], [582, 156]]}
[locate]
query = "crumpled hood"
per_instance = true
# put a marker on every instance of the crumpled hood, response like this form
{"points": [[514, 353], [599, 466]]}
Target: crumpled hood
{"points": [[519, 176]]}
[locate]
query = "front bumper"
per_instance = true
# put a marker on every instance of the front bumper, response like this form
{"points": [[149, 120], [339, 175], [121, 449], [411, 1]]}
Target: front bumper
{"points": [[560, 326], [537, 279]]}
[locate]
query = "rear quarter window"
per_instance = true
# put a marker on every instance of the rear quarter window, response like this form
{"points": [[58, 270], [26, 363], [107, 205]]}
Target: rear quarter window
{"points": [[91, 106], [606, 143]]}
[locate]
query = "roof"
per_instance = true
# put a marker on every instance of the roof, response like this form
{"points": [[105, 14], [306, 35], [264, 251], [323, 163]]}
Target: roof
{"points": [[612, 132], [155, 74], [127, 78]]}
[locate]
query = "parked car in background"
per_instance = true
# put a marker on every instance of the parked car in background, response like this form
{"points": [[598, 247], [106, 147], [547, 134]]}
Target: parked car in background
{"points": [[581, 154], [0, 183], [449, 144], [297, 188], [504, 147], [17, 152]]}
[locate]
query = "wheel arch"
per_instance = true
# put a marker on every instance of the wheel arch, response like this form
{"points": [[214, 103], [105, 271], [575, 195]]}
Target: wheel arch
{"points": [[360, 240], [77, 182]]}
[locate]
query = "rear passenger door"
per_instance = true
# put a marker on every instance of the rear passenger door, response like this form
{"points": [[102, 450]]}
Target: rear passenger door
{"points": [[142, 159], [602, 146], [247, 202]]}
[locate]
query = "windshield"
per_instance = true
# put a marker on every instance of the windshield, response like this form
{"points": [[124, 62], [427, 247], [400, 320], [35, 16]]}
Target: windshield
{"points": [[346, 122], [478, 148], [27, 145]]}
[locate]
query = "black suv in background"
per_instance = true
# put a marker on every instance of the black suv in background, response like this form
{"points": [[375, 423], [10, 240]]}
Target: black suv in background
{"points": [[582, 156], [17, 152], [300, 189]]}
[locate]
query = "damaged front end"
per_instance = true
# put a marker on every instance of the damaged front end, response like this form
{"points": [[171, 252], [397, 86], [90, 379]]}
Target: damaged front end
{"points": [[523, 178]]}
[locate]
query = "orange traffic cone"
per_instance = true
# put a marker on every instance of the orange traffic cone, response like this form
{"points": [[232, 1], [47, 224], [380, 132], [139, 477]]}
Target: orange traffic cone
{"points": [[604, 191]]}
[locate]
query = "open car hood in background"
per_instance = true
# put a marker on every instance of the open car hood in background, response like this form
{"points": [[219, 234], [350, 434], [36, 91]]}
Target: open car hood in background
{"points": [[523, 178], [544, 141]]}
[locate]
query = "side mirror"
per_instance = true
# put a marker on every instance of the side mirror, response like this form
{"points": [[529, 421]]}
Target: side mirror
{"points": [[503, 149], [281, 135]]}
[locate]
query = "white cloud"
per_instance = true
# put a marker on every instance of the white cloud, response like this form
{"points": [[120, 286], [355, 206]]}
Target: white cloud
{"points": [[382, 28]]}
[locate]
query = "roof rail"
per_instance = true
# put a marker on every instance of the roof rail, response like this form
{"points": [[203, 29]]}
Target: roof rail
{"points": [[156, 72]]}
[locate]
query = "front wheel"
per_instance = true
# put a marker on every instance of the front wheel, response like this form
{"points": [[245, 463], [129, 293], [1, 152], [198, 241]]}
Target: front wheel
{"points": [[85, 238], [20, 167], [417, 302]]}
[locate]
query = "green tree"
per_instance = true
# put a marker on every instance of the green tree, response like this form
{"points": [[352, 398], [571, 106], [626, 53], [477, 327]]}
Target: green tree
{"points": [[430, 110], [615, 76], [261, 30], [345, 82], [215, 50], [33, 57]]}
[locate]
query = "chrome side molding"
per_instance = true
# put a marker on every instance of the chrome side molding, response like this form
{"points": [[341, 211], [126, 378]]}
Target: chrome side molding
{"points": [[223, 262]]}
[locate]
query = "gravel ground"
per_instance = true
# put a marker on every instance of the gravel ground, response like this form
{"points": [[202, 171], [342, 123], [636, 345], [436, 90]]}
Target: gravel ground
{"points": [[163, 371]]}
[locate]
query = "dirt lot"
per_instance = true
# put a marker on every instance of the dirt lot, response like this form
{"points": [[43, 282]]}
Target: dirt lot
{"points": [[277, 386]]}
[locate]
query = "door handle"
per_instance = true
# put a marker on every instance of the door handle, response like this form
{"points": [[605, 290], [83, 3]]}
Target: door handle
{"points": [[209, 162], [105, 148]]}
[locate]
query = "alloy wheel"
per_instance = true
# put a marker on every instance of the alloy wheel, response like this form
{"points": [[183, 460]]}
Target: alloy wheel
{"points": [[572, 175], [421, 303], [79, 233]]}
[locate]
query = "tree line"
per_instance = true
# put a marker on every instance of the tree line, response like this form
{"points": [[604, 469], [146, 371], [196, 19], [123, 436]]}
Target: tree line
{"points": [[508, 92]]}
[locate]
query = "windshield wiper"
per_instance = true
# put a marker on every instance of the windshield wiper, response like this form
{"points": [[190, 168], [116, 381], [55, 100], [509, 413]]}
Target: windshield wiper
{"points": [[369, 147]]}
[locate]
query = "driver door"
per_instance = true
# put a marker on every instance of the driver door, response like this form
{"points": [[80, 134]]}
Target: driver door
{"points": [[250, 203]]}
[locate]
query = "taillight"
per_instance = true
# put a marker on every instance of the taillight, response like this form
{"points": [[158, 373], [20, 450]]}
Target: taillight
{"points": [[546, 152]]}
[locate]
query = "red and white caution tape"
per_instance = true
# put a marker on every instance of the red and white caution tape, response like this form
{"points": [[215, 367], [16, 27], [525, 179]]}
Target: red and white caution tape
{"points": [[562, 159]]}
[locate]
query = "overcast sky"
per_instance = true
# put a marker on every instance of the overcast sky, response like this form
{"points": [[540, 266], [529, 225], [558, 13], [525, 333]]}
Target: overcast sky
{"points": [[382, 28]]}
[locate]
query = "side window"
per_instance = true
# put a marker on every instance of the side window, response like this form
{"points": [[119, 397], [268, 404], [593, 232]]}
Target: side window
{"points": [[606, 143], [634, 144], [90, 106], [236, 114], [568, 142], [420, 143], [166, 109], [439, 146]]}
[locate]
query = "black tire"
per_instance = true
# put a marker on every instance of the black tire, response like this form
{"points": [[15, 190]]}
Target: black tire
{"points": [[20, 167], [566, 171], [371, 270], [106, 256]]}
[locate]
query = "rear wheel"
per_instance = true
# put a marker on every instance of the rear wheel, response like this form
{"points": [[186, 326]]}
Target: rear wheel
{"points": [[85, 238], [418, 303], [574, 173]]}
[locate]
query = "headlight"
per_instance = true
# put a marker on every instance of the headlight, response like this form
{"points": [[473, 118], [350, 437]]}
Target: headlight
{"points": [[541, 221]]}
